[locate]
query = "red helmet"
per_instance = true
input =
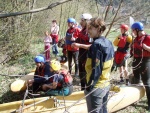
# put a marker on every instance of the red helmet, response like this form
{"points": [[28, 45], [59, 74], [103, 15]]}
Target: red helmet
{"points": [[124, 26]]}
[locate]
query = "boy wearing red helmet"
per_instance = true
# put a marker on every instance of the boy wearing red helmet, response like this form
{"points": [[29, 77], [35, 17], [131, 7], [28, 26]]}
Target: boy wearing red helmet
{"points": [[122, 42]]}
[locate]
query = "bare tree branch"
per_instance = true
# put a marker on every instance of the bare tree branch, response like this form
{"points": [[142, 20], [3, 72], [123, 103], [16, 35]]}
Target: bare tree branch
{"points": [[114, 18], [34, 10]]}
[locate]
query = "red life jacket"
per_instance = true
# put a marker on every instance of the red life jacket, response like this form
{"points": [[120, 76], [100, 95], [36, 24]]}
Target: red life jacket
{"points": [[83, 37], [41, 72], [122, 41], [119, 57], [137, 48], [55, 37], [71, 32], [67, 79]]}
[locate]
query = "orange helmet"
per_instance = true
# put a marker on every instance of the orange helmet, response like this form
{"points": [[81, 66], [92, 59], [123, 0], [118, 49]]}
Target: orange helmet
{"points": [[124, 26]]}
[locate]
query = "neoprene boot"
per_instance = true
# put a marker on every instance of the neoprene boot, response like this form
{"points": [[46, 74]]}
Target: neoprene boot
{"points": [[121, 80]]}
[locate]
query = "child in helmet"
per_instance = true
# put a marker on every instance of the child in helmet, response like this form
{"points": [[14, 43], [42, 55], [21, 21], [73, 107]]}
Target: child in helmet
{"points": [[42, 71], [72, 52], [56, 87], [122, 42]]}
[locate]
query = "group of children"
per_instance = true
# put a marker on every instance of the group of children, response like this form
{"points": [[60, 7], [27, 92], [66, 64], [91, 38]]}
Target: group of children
{"points": [[51, 38], [94, 60], [50, 78]]}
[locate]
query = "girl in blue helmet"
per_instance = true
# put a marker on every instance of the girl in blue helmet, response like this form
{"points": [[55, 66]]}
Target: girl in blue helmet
{"points": [[72, 52], [140, 50], [42, 70]]}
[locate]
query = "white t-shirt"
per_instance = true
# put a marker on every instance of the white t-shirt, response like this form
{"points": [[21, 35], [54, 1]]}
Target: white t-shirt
{"points": [[47, 40], [54, 30]]}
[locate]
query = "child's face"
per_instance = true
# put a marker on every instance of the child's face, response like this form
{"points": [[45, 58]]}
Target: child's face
{"points": [[38, 64], [46, 33], [70, 24], [83, 23], [93, 32], [122, 30], [53, 23]]}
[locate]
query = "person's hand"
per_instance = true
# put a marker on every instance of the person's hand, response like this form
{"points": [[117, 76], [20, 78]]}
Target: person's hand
{"points": [[119, 36], [30, 82], [72, 39], [75, 45], [147, 48]]}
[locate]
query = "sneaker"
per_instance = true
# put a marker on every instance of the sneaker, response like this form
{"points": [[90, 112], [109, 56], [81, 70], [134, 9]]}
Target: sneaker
{"points": [[128, 84], [121, 81]]}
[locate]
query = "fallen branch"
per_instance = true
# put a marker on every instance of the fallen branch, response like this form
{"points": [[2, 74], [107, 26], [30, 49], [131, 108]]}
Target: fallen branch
{"points": [[34, 10]]}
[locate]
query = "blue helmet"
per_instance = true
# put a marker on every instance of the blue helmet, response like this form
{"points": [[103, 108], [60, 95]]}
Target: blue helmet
{"points": [[39, 59], [71, 20], [138, 25]]}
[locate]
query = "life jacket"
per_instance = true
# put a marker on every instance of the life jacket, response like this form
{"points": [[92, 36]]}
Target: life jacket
{"points": [[69, 34], [120, 58], [40, 71], [55, 38], [83, 37], [67, 79], [136, 48], [122, 41]]}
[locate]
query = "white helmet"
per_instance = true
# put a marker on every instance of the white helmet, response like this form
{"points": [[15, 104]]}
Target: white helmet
{"points": [[86, 16]]}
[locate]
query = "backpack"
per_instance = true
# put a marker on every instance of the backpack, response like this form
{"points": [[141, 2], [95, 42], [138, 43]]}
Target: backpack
{"points": [[67, 77]]}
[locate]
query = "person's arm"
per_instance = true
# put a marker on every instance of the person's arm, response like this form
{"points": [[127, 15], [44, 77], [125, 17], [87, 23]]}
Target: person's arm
{"points": [[75, 34], [147, 48], [46, 86], [116, 41], [57, 30], [84, 46]]}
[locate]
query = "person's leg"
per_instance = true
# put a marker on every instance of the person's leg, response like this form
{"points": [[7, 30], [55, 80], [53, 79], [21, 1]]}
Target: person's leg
{"points": [[96, 100], [105, 100], [47, 52], [121, 73], [125, 68], [75, 57], [69, 56], [145, 74], [136, 71], [56, 49], [82, 74], [88, 101]]}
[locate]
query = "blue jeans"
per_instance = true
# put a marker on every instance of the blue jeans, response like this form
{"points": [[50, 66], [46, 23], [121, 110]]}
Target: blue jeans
{"points": [[97, 100], [55, 49]]}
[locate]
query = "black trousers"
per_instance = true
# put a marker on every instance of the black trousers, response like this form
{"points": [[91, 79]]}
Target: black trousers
{"points": [[74, 55], [82, 73], [142, 72]]}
